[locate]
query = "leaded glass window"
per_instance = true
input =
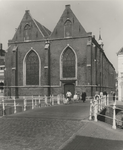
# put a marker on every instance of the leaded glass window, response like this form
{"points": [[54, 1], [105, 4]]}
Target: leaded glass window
{"points": [[68, 28], [32, 69], [68, 64]]}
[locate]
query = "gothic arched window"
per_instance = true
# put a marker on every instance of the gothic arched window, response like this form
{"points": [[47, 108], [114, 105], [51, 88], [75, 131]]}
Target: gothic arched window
{"points": [[27, 32], [68, 28], [32, 69], [68, 64]]}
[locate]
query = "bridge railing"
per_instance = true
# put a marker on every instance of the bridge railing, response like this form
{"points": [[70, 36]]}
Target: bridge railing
{"points": [[13, 105], [98, 103]]}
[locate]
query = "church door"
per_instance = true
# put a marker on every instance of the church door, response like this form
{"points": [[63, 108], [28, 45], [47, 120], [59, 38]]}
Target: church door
{"points": [[69, 87]]}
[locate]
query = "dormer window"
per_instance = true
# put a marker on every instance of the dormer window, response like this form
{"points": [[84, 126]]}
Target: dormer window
{"points": [[27, 32], [68, 28]]}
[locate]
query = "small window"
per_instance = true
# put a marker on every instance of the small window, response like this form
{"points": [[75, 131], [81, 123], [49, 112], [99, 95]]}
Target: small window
{"points": [[68, 28], [27, 32]]}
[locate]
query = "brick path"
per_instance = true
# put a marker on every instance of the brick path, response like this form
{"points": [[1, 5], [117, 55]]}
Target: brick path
{"points": [[64, 127], [41, 129]]}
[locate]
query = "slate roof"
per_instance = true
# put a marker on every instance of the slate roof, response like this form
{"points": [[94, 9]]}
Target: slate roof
{"points": [[43, 29]]}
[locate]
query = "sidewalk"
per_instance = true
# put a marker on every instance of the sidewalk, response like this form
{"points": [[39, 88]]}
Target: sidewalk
{"points": [[95, 136]]}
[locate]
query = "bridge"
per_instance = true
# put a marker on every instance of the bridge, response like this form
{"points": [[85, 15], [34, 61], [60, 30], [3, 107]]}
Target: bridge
{"points": [[47, 123]]}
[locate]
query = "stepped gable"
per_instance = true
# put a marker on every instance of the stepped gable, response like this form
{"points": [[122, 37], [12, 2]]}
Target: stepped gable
{"points": [[76, 28], [120, 51], [30, 29]]}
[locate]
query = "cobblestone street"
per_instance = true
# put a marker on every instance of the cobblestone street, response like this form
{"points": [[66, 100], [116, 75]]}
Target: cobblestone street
{"points": [[42, 129]]}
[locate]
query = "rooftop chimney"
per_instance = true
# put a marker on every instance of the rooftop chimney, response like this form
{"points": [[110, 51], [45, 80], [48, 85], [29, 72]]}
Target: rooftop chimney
{"points": [[27, 11], [67, 6], [0, 46]]}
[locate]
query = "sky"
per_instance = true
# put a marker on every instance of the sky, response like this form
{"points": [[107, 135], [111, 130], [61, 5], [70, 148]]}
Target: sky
{"points": [[106, 15]]}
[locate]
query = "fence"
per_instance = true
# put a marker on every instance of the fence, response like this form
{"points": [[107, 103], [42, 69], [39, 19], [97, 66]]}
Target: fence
{"points": [[11, 106], [99, 103]]}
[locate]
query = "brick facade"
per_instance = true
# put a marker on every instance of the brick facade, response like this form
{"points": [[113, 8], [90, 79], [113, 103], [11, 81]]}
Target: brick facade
{"points": [[93, 71]]}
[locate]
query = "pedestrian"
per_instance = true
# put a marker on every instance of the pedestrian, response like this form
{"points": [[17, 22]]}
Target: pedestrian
{"points": [[75, 97], [68, 95], [114, 96], [105, 93], [84, 96]]}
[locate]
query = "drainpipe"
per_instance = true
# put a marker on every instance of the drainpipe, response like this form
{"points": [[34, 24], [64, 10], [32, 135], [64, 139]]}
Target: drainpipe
{"points": [[47, 47]]}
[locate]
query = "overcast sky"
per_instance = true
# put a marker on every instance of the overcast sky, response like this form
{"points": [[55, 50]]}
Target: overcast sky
{"points": [[107, 15]]}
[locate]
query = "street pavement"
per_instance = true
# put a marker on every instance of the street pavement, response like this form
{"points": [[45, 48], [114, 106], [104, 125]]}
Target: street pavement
{"points": [[63, 127], [42, 128]]}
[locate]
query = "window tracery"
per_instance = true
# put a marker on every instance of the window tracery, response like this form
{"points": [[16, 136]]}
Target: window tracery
{"points": [[32, 69], [68, 63]]}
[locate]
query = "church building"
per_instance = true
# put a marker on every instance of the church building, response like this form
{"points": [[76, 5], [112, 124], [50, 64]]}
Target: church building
{"points": [[41, 62]]}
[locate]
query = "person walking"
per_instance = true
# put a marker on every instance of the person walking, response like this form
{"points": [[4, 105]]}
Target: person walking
{"points": [[68, 95], [75, 97], [114, 96], [84, 96]]}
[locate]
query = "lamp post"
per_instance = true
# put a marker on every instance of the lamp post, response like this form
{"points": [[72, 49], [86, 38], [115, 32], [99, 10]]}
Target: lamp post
{"points": [[47, 48]]}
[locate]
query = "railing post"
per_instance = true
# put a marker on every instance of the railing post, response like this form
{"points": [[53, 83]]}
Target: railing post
{"points": [[100, 103], [108, 99], [58, 100], [39, 101], [35, 102], [14, 105], [63, 99], [32, 103], [52, 100], [45, 98], [3, 106], [105, 100], [24, 103], [114, 116], [90, 116], [101, 100], [95, 111]]}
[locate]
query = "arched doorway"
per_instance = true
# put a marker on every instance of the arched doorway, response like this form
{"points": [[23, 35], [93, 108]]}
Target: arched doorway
{"points": [[69, 87]]}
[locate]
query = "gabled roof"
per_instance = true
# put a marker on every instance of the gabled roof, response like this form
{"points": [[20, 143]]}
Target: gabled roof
{"points": [[77, 28], [120, 52], [38, 30]]}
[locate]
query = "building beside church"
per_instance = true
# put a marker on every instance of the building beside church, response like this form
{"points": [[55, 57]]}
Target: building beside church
{"points": [[41, 62], [120, 74], [2, 67]]}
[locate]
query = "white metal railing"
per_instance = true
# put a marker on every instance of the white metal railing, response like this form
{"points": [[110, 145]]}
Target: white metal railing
{"points": [[30, 102], [98, 103]]}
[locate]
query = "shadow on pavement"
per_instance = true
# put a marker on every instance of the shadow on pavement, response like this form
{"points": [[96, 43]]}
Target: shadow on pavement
{"points": [[90, 143]]}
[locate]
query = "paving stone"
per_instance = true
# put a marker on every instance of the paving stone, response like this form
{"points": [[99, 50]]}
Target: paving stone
{"points": [[37, 130]]}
